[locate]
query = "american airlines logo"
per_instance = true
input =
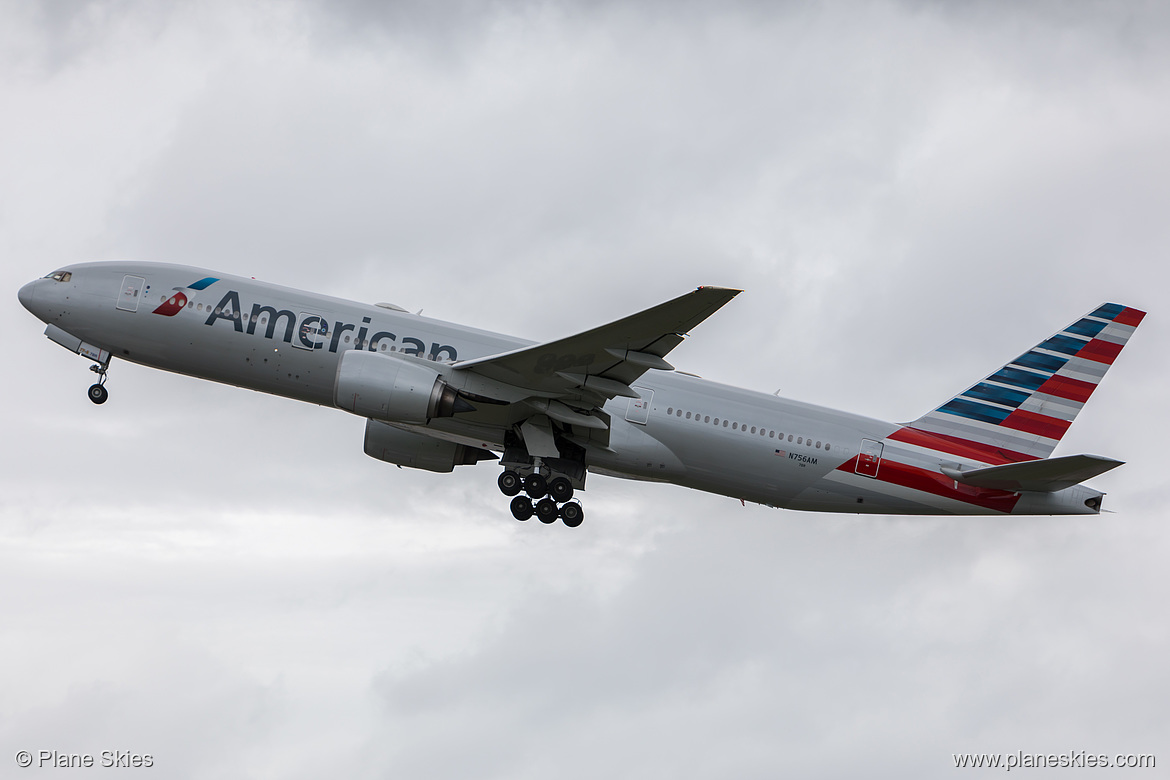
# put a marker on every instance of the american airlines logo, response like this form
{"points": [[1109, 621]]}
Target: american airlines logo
{"points": [[173, 305], [311, 331]]}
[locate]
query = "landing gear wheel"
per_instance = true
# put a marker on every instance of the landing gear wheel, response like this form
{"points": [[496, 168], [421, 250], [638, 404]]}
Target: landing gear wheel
{"points": [[535, 486], [521, 508], [560, 489], [572, 515], [546, 510], [98, 394], [509, 483]]}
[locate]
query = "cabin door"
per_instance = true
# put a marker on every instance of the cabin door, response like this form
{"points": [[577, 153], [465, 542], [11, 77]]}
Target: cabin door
{"points": [[131, 293], [869, 458]]}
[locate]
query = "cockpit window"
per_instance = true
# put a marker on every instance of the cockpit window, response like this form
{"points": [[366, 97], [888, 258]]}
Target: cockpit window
{"points": [[60, 276]]}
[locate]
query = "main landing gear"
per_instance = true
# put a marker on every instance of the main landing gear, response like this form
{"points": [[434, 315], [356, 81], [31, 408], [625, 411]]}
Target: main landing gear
{"points": [[553, 498], [98, 392]]}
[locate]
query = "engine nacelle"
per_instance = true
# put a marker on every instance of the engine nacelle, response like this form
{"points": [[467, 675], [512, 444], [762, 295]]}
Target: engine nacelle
{"points": [[391, 388], [417, 451]]}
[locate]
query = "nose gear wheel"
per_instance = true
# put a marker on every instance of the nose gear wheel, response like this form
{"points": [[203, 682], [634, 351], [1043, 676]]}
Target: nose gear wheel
{"points": [[98, 392]]}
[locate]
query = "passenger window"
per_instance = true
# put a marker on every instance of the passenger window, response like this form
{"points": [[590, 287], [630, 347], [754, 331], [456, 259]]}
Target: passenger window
{"points": [[670, 410], [818, 445], [688, 415], [753, 429], [800, 440], [771, 434], [735, 426], [826, 446], [707, 419], [790, 437], [725, 423]]}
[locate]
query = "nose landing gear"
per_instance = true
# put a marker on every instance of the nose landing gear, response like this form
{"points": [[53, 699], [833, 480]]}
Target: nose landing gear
{"points": [[98, 392]]}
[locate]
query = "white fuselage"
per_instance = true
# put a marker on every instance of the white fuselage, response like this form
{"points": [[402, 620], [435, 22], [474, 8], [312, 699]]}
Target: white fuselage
{"points": [[692, 432]]}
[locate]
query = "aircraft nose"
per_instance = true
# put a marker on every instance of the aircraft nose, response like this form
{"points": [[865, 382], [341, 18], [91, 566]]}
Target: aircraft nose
{"points": [[28, 296]]}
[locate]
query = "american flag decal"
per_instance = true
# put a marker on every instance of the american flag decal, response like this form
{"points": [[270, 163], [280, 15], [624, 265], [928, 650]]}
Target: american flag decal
{"points": [[781, 453]]}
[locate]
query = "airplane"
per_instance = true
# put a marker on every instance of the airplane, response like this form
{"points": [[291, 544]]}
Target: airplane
{"points": [[437, 395]]}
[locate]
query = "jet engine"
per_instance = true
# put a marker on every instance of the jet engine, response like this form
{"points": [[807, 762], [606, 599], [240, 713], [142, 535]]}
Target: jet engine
{"points": [[418, 451], [393, 388]]}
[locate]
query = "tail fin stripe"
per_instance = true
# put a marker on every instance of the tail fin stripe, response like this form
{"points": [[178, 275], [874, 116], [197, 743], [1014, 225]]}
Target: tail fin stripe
{"points": [[1039, 424], [1129, 316], [996, 394], [1018, 378], [1085, 370], [1101, 351], [1040, 361], [1109, 311], [1069, 345], [1052, 406], [1086, 327], [956, 445], [975, 411], [1066, 387]]}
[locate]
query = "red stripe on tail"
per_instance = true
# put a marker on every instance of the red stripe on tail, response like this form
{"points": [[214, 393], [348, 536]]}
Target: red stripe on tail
{"points": [[1129, 316], [1065, 387], [963, 448], [1100, 351], [1039, 424]]}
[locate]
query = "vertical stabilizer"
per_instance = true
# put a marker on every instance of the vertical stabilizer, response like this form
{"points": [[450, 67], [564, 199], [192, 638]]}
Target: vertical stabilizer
{"points": [[1023, 410]]}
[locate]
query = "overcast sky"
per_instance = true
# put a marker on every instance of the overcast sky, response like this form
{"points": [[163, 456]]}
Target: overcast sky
{"points": [[910, 194]]}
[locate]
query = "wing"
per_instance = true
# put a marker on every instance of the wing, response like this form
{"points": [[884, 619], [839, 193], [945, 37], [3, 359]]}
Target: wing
{"points": [[567, 378]]}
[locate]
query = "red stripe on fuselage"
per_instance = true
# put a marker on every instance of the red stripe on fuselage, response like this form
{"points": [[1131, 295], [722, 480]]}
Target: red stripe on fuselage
{"points": [[1065, 387], [1100, 351], [938, 484], [1039, 424], [1129, 316], [963, 448]]}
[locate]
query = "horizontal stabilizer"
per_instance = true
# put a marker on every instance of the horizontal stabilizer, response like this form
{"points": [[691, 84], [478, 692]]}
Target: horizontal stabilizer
{"points": [[1041, 476]]}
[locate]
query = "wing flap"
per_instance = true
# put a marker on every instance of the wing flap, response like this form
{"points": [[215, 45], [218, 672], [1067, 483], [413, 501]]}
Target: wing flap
{"points": [[1041, 476]]}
